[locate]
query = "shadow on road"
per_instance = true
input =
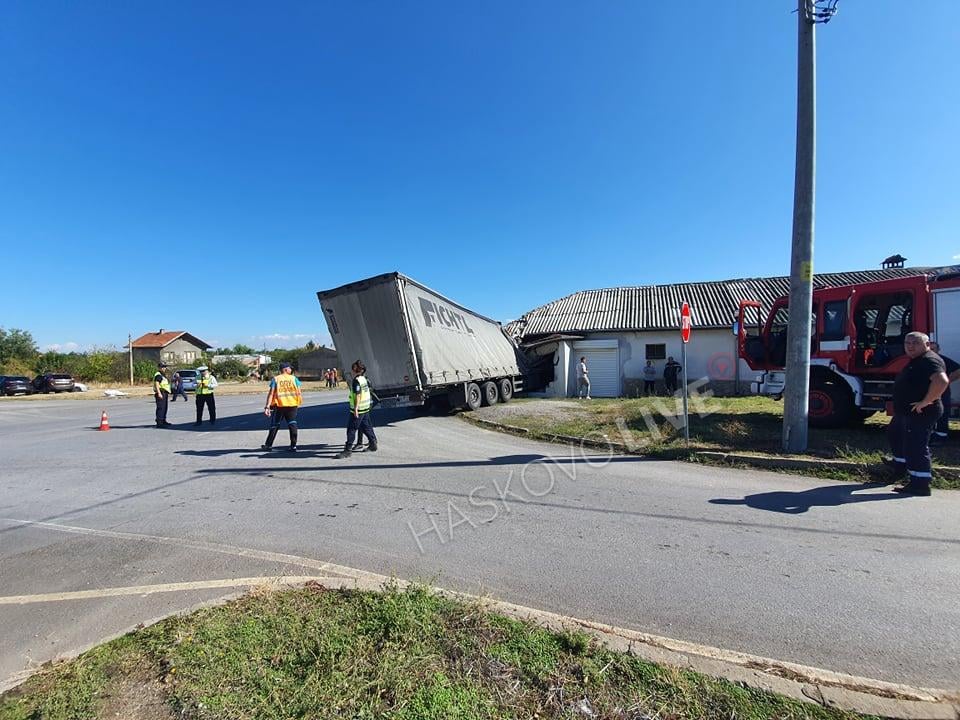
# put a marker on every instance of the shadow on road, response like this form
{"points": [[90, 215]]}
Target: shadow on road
{"points": [[309, 417], [796, 503], [351, 464]]}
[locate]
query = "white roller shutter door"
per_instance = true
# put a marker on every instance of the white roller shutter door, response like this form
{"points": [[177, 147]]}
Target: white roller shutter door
{"points": [[603, 364]]}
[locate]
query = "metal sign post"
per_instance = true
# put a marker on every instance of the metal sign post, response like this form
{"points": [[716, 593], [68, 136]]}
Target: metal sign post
{"points": [[685, 336]]}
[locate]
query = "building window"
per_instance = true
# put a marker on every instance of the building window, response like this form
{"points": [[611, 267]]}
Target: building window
{"points": [[189, 356], [657, 351], [169, 357]]}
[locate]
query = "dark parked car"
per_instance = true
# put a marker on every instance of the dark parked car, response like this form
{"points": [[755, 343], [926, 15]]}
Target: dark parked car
{"points": [[15, 385], [53, 382]]}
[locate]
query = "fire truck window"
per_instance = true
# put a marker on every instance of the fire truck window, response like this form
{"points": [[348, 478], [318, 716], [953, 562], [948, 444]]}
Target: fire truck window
{"points": [[898, 322], [882, 321], [834, 320]]}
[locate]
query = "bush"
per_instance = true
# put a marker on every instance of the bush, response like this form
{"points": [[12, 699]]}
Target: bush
{"points": [[230, 368]]}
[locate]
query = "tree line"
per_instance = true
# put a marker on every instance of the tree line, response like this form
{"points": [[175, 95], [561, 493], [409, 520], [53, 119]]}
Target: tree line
{"points": [[19, 355]]}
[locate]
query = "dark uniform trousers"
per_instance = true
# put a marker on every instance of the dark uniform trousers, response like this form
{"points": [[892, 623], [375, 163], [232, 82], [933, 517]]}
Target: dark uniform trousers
{"points": [[282, 413], [910, 443], [162, 402], [942, 430], [360, 424], [211, 407]]}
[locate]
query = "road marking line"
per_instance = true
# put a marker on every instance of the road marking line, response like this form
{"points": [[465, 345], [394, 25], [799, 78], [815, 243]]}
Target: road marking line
{"points": [[160, 588], [318, 565]]}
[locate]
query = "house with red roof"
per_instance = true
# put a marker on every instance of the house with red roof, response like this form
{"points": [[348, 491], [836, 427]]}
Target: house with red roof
{"points": [[169, 346]]}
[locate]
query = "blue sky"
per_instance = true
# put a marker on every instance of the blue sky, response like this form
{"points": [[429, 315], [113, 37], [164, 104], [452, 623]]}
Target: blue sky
{"points": [[210, 166]]}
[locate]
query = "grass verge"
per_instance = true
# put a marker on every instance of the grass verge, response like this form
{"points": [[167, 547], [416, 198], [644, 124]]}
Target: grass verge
{"points": [[737, 424], [402, 654]]}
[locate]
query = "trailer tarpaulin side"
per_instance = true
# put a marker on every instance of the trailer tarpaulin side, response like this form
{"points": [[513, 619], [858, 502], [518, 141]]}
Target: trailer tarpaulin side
{"points": [[453, 344]]}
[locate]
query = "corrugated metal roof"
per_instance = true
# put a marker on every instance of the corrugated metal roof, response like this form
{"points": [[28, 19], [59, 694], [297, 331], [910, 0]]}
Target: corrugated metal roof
{"points": [[657, 307]]}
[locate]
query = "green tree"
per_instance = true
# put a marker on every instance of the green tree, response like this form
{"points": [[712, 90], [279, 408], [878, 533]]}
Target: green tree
{"points": [[240, 349], [17, 344]]}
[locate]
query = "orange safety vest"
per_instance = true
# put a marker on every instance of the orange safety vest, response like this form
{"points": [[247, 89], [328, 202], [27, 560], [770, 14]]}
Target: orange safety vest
{"points": [[288, 392]]}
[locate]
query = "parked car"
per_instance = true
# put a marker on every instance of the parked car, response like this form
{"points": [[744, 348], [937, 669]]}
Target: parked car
{"points": [[189, 378], [15, 385], [53, 382], [79, 386]]}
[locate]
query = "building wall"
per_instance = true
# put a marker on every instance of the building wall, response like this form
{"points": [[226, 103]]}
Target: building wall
{"points": [[711, 354], [316, 362], [151, 355]]}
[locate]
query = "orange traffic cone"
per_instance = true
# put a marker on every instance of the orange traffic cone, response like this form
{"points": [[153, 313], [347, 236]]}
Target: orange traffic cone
{"points": [[104, 423]]}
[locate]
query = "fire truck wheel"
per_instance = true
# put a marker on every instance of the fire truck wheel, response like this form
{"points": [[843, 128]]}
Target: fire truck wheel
{"points": [[830, 404], [490, 393]]}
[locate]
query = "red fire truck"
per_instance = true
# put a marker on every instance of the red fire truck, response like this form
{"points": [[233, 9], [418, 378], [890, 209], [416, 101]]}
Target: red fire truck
{"points": [[857, 340]]}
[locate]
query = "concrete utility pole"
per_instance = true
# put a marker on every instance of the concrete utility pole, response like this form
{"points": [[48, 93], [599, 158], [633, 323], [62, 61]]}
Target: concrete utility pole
{"points": [[130, 347], [797, 387]]}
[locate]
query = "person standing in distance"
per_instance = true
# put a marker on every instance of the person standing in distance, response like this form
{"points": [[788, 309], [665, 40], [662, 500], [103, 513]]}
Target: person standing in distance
{"points": [[178, 390], [206, 384], [942, 432], [361, 400], [583, 379], [283, 400], [671, 373], [649, 379], [161, 393], [916, 409]]}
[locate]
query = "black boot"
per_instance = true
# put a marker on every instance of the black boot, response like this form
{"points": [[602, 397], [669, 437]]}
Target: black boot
{"points": [[372, 447], [345, 453]]}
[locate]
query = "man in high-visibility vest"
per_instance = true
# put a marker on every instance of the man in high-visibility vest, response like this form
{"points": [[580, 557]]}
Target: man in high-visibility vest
{"points": [[206, 384], [283, 399], [161, 393], [361, 400]]}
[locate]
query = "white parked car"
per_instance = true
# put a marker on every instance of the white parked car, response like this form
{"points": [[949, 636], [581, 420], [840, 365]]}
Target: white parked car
{"points": [[79, 386]]}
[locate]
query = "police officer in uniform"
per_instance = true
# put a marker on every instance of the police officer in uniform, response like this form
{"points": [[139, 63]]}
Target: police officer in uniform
{"points": [[361, 400], [161, 393], [916, 409], [283, 400], [206, 384]]}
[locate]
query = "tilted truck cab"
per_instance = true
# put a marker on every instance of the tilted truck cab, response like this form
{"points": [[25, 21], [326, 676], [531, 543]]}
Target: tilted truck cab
{"points": [[857, 338]]}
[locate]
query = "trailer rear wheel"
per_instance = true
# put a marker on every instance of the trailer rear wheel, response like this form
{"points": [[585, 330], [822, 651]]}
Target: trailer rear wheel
{"points": [[490, 393], [474, 398], [506, 390]]}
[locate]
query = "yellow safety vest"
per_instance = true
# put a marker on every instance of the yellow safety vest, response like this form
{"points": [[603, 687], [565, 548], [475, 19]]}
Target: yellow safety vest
{"points": [[362, 404], [164, 383], [203, 385], [288, 392]]}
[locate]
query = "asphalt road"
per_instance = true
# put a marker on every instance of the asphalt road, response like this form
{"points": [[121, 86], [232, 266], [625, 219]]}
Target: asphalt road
{"points": [[845, 577]]}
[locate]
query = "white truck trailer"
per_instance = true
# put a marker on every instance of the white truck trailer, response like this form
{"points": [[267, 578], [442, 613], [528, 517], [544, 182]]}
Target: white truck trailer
{"points": [[419, 346]]}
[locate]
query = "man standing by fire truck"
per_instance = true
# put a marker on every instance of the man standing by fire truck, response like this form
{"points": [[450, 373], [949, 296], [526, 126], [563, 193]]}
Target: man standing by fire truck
{"points": [[916, 409]]}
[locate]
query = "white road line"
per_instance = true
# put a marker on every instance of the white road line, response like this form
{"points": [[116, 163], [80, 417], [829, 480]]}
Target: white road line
{"points": [[160, 588], [318, 565]]}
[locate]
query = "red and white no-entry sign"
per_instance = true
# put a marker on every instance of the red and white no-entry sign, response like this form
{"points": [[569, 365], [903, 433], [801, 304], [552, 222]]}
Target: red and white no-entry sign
{"points": [[685, 323]]}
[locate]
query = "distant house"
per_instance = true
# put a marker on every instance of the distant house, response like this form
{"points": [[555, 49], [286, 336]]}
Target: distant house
{"points": [[316, 362], [169, 346]]}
